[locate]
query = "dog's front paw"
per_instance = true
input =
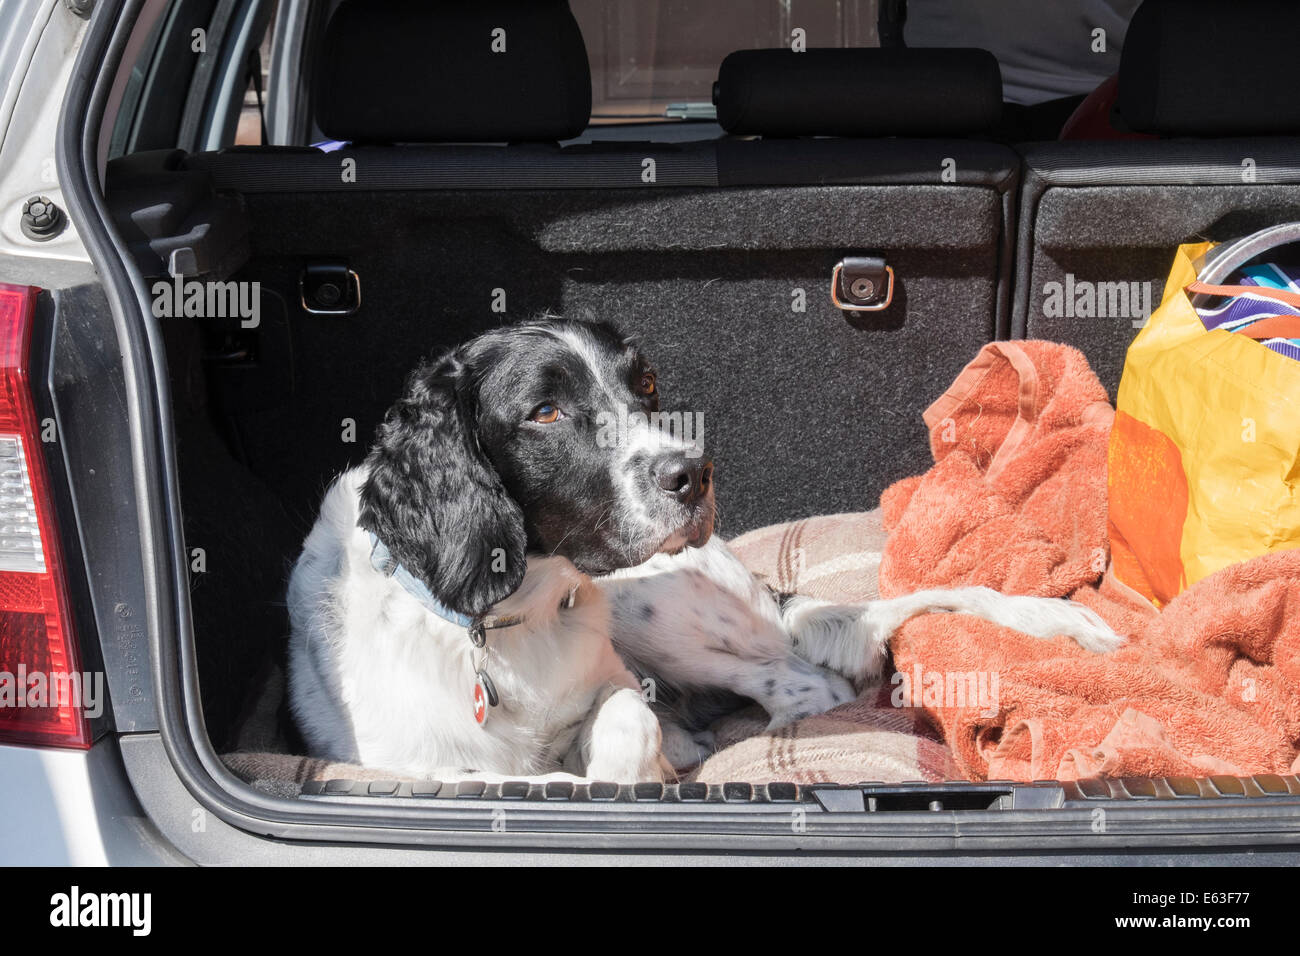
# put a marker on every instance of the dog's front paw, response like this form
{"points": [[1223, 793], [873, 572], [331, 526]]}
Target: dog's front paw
{"points": [[625, 741]]}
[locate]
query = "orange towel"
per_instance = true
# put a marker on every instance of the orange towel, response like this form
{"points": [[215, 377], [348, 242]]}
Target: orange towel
{"points": [[1016, 500]]}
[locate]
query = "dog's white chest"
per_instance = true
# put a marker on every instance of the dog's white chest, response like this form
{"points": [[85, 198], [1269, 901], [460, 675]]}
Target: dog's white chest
{"points": [[379, 678], [544, 673]]}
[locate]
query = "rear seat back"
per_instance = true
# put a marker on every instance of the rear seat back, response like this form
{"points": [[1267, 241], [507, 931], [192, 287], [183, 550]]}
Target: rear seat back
{"points": [[716, 254], [1099, 221]]}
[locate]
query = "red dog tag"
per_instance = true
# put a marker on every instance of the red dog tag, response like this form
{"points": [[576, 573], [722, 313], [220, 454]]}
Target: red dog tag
{"points": [[485, 695], [480, 703]]}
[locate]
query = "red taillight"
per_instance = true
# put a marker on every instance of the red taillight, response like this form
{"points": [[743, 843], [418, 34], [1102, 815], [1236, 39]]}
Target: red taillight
{"points": [[40, 675]]}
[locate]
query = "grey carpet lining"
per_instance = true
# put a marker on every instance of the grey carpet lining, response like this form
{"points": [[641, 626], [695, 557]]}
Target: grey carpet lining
{"points": [[805, 413], [1114, 212], [1213, 162], [1122, 239], [809, 217]]}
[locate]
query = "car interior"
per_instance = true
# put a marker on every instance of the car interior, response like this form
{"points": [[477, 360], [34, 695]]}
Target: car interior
{"points": [[428, 198]]}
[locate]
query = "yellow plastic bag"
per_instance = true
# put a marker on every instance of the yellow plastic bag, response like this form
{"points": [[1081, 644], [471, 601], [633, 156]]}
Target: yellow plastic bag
{"points": [[1204, 457]]}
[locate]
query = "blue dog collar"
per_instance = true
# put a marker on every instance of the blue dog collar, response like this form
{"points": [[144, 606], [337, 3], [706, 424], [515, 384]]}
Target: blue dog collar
{"points": [[382, 560], [485, 693]]}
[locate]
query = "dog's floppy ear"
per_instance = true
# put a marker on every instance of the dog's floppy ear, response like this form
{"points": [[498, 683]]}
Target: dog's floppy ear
{"points": [[435, 500]]}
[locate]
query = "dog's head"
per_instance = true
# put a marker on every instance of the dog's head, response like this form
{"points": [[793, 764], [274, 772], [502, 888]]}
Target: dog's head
{"points": [[542, 438]]}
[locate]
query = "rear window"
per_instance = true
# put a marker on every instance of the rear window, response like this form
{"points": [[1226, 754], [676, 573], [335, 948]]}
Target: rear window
{"points": [[652, 61], [658, 60]]}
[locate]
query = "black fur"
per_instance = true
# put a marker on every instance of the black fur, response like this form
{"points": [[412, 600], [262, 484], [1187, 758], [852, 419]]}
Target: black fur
{"points": [[436, 501], [464, 481]]}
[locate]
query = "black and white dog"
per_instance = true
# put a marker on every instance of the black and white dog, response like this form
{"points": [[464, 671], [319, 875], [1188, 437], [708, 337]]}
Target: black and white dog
{"points": [[495, 589]]}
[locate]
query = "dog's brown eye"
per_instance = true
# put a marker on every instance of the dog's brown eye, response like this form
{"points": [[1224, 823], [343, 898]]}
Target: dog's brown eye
{"points": [[647, 383], [545, 414]]}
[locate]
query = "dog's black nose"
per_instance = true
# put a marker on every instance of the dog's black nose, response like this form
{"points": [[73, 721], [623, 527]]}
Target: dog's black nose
{"points": [[686, 479]]}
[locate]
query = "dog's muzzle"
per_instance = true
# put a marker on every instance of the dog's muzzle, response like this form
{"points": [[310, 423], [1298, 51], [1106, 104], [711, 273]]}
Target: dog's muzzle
{"points": [[686, 480], [686, 484]]}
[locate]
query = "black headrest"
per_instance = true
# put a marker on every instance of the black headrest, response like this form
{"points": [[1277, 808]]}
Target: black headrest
{"points": [[859, 92], [1211, 68], [418, 71]]}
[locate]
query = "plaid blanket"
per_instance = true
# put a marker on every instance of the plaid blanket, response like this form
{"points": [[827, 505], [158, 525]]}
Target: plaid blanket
{"points": [[836, 558], [867, 740]]}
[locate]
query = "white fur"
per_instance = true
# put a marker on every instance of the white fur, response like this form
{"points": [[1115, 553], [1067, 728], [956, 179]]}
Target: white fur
{"points": [[712, 625], [853, 639], [377, 679]]}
